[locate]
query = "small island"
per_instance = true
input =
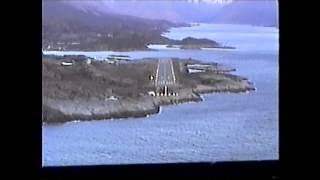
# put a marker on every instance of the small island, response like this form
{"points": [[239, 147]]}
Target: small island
{"points": [[78, 88], [194, 43]]}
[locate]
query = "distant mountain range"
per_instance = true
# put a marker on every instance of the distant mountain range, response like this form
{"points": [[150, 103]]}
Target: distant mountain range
{"points": [[67, 27], [258, 12], [104, 25], [252, 12]]}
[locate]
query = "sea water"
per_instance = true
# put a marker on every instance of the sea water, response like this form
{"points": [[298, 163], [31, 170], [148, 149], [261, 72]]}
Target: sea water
{"points": [[223, 127]]}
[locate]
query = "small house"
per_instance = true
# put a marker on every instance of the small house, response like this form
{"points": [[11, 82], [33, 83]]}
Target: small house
{"points": [[88, 61], [152, 93], [112, 98], [66, 63]]}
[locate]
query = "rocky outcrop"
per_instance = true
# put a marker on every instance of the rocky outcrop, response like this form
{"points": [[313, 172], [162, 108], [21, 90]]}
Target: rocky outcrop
{"points": [[66, 110]]}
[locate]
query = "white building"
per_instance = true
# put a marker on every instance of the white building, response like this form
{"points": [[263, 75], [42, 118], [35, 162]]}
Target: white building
{"points": [[66, 63], [88, 61], [152, 93]]}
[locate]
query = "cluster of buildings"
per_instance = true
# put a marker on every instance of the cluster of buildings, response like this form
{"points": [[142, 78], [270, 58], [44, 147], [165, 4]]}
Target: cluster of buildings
{"points": [[60, 46], [162, 92]]}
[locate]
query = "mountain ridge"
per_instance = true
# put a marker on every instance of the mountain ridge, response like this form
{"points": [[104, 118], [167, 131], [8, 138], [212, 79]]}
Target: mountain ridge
{"points": [[66, 27]]}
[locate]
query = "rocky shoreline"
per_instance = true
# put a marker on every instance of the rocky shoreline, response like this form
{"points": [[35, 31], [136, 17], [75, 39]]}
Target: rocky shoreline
{"points": [[83, 91]]}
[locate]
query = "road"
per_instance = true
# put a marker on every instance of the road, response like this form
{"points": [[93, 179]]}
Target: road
{"points": [[165, 73]]}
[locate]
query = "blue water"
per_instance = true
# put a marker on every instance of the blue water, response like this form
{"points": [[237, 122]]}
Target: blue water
{"points": [[224, 127]]}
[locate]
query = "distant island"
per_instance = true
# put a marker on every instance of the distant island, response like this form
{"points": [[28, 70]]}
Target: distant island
{"points": [[78, 88], [194, 43]]}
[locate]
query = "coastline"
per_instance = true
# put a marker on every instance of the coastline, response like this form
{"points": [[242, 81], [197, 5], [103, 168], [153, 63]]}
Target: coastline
{"points": [[151, 49], [61, 117], [63, 103]]}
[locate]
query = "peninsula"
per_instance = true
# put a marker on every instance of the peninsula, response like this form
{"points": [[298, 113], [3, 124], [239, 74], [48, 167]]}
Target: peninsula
{"points": [[78, 88]]}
